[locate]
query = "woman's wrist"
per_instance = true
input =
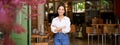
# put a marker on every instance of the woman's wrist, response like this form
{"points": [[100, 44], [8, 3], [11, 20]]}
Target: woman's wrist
{"points": [[58, 30]]}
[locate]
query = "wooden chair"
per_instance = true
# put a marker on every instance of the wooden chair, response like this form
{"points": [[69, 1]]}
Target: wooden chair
{"points": [[116, 34], [50, 33], [108, 29], [72, 31], [90, 32]]}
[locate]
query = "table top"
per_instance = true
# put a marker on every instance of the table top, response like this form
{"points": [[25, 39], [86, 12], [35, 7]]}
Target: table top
{"points": [[40, 36], [105, 24]]}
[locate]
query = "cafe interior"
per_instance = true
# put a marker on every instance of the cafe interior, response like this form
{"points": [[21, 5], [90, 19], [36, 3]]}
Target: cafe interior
{"points": [[93, 22]]}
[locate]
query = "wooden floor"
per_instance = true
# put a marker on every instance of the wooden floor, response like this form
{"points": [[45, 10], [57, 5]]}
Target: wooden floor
{"points": [[84, 41], [79, 42]]}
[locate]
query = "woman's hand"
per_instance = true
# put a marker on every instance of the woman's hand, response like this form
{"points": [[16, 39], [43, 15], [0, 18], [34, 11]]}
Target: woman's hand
{"points": [[58, 29]]}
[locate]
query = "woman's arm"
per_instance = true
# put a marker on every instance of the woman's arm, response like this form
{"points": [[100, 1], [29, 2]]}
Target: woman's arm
{"points": [[66, 28], [54, 28]]}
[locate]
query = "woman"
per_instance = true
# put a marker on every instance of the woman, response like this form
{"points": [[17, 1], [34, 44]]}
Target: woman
{"points": [[61, 26]]}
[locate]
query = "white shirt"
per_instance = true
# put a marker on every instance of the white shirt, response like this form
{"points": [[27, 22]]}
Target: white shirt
{"points": [[65, 22]]}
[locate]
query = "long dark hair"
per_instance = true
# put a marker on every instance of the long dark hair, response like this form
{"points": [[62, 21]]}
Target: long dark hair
{"points": [[61, 4]]}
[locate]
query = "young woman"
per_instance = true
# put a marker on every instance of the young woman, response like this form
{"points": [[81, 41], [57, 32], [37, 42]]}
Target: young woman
{"points": [[61, 26]]}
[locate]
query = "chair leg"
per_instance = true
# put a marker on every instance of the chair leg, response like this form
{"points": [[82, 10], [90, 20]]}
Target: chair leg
{"points": [[88, 39], [102, 39], [98, 39], [115, 40], [105, 39], [92, 40]]}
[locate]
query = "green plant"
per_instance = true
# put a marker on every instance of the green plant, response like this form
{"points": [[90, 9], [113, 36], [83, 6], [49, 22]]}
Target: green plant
{"points": [[105, 3], [81, 5]]}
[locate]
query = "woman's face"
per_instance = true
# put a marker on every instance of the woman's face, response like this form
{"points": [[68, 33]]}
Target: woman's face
{"points": [[61, 10]]}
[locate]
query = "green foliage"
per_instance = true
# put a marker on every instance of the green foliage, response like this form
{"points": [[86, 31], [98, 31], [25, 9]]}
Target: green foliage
{"points": [[105, 3], [81, 5]]}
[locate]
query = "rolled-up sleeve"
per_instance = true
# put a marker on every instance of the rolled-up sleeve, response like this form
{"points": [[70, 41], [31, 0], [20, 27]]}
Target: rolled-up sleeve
{"points": [[67, 28], [53, 26]]}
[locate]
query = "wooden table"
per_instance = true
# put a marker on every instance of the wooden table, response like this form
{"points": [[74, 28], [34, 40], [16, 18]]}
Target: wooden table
{"points": [[42, 37], [41, 43]]}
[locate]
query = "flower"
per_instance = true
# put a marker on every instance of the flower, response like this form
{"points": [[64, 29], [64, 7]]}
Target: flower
{"points": [[8, 12]]}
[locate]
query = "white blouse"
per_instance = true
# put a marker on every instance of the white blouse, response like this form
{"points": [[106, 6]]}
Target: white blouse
{"points": [[65, 23]]}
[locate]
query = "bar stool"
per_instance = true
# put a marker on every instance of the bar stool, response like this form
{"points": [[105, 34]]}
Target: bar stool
{"points": [[100, 32], [91, 32], [108, 29], [117, 33]]}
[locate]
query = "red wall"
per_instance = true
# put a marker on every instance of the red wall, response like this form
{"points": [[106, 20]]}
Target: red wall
{"points": [[117, 8]]}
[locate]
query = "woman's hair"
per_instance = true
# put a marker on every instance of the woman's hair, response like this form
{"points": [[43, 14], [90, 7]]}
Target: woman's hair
{"points": [[61, 4]]}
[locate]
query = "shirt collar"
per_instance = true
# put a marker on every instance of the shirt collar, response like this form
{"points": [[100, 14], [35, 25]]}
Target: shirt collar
{"points": [[62, 18]]}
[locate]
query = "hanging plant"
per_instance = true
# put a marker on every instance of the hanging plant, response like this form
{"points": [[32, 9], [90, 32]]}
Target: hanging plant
{"points": [[105, 4]]}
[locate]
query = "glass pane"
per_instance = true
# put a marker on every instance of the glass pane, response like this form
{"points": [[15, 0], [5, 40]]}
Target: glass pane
{"points": [[78, 7], [51, 8]]}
